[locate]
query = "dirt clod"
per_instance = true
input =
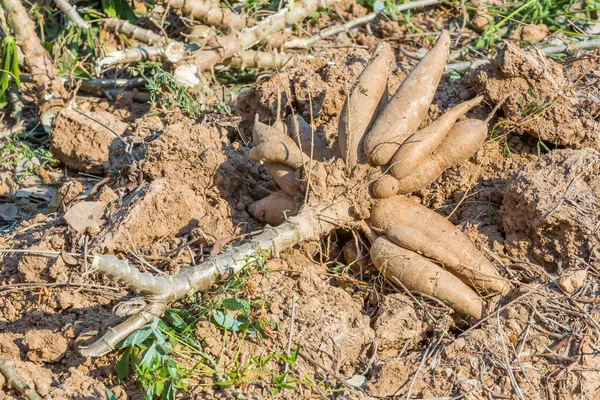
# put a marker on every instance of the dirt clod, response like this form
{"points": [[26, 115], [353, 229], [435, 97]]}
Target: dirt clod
{"points": [[85, 215], [550, 209], [535, 97], [82, 141], [44, 346]]}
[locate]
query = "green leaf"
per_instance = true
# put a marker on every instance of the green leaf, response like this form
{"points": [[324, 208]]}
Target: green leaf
{"points": [[158, 387], [149, 356], [122, 367], [109, 394], [241, 305], [226, 321]]}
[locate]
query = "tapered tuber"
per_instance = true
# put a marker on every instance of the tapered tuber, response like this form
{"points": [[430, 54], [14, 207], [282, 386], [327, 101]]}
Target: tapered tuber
{"points": [[301, 132], [417, 228], [422, 144], [274, 208], [285, 176], [360, 108], [419, 274], [408, 107], [464, 139], [279, 149]]}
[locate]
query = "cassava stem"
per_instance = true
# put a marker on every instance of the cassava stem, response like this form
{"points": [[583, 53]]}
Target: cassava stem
{"points": [[132, 31], [334, 30], [310, 224], [211, 13], [15, 382], [51, 93], [71, 13], [230, 45]]}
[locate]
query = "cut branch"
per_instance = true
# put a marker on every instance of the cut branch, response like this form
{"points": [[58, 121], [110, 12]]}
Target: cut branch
{"points": [[71, 13], [261, 60], [235, 42], [310, 224], [132, 31], [51, 93], [173, 52], [211, 13], [13, 381], [334, 30]]}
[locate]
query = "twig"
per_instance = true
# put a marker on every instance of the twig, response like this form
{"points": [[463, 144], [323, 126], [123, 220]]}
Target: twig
{"points": [[508, 366], [132, 31], [397, 282], [289, 345], [334, 30], [428, 352], [481, 321], [582, 45], [71, 13], [15, 382]]}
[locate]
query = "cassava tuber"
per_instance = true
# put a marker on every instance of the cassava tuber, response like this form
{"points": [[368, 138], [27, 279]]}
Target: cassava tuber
{"points": [[408, 107]]}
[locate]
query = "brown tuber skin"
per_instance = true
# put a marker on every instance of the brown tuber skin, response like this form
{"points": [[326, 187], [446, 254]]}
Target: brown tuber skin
{"points": [[386, 186], [464, 139], [285, 177], [408, 107], [303, 135], [280, 149], [360, 108], [274, 208], [419, 274], [422, 144], [417, 228]]}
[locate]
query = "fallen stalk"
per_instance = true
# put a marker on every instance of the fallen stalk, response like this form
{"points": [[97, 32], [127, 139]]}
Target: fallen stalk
{"points": [[334, 30], [132, 31], [71, 13], [15, 382], [50, 90], [261, 60], [210, 13], [235, 42], [158, 291], [173, 52]]}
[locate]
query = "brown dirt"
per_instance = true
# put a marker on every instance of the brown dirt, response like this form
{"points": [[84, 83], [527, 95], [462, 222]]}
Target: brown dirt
{"points": [[537, 98], [82, 140], [550, 209]]}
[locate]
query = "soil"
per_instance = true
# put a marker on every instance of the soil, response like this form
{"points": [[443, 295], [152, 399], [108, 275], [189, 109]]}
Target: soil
{"points": [[535, 94], [174, 191]]}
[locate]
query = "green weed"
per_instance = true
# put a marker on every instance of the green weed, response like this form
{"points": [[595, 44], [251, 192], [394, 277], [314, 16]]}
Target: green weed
{"points": [[172, 94], [563, 16], [23, 158], [10, 68]]}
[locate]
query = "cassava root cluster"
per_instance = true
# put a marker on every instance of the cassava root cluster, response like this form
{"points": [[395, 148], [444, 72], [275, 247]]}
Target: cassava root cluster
{"points": [[417, 247]]}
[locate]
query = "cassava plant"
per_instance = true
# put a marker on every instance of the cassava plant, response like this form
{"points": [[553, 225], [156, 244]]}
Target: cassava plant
{"points": [[382, 155]]}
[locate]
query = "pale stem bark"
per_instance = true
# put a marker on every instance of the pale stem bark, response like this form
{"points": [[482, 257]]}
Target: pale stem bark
{"points": [[15, 382], [309, 224], [132, 31], [334, 30], [71, 13]]}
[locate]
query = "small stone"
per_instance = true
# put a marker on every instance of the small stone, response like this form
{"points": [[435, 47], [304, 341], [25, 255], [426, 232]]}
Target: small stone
{"points": [[573, 282], [84, 215]]}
